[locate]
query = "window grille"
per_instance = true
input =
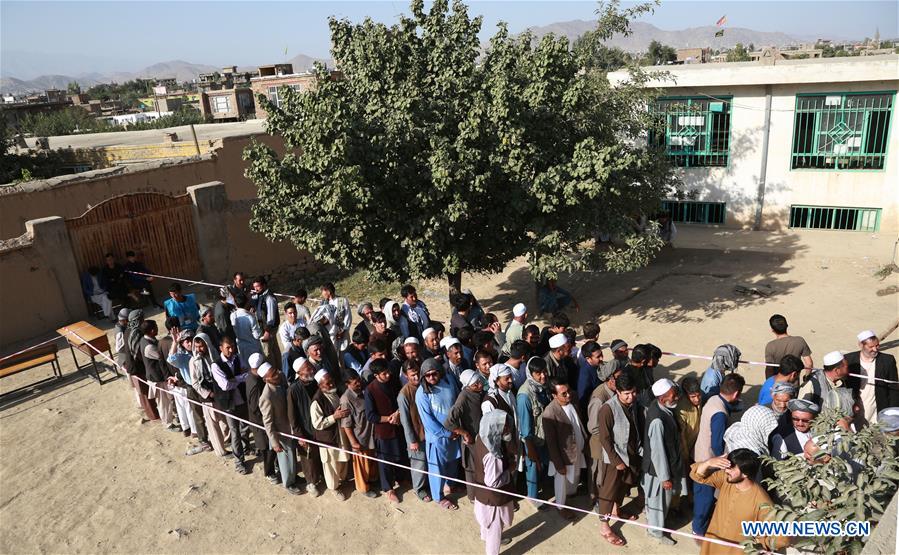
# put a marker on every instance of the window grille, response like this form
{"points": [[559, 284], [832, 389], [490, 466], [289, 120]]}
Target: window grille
{"points": [[695, 132], [841, 131], [835, 217], [695, 212]]}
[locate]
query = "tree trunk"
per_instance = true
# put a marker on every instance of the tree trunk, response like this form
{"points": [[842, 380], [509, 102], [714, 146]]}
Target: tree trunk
{"points": [[455, 285]]}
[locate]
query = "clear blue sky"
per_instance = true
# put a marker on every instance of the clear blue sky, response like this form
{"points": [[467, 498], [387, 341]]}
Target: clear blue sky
{"points": [[127, 35]]}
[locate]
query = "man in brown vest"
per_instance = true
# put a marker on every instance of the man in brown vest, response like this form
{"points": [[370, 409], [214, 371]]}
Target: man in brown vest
{"points": [[326, 413], [615, 450]]}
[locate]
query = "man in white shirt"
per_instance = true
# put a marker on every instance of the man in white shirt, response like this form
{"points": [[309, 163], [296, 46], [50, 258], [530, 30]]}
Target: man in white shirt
{"points": [[288, 327]]}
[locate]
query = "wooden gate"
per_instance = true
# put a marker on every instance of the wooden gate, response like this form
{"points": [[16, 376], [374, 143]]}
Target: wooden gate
{"points": [[158, 225]]}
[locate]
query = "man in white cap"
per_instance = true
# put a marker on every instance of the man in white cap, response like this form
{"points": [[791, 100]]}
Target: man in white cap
{"points": [[875, 395], [254, 387], [273, 406], [455, 362], [663, 465], [299, 412], [326, 413], [827, 388], [558, 363], [515, 329], [464, 420], [431, 343]]}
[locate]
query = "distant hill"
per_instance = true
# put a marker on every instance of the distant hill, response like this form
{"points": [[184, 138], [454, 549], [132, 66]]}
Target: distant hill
{"points": [[179, 69], [302, 62], [644, 33]]}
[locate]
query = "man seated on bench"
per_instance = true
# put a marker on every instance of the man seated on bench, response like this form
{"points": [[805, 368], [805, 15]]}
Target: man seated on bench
{"points": [[94, 289]]}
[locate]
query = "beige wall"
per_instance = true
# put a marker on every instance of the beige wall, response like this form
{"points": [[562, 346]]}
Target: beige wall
{"points": [[39, 288], [29, 295], [71, 196]]}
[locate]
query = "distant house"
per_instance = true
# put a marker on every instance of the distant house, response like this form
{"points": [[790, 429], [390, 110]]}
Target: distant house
{"points": [[694, 55], [273, 79]]}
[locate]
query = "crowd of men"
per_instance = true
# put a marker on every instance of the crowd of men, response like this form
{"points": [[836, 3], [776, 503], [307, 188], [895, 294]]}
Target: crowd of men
{"points": [[512, 407]]}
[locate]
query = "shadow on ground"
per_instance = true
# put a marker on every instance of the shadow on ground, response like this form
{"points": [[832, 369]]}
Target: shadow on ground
{"points": [[678, 286]]}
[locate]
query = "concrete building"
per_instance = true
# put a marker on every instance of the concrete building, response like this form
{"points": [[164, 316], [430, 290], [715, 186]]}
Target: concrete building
{"points": [[810, 143], [769, 54], [270, 80], [234, 104], [694, 55]]}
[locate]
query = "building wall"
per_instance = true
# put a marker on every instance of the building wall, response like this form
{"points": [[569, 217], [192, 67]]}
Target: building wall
{"points": [[738, 183], [41, 281], [260, 86], [70, 196]]}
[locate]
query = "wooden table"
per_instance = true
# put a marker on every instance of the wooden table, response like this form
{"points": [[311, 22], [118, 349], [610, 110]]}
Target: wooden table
{"points": [[89, 340]]}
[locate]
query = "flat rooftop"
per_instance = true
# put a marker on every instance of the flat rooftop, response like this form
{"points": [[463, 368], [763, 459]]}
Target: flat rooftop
{"points": [[205, 131], [811, 70]]}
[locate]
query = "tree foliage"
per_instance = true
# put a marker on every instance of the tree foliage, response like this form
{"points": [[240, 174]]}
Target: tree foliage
{"points": [[78, 120], [738, 53], [855, 483], [428, 157], [62, 122], [660, 54]]}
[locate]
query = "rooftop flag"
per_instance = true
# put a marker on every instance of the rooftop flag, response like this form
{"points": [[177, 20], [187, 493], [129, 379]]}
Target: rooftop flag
{"points": [[721, 21]]}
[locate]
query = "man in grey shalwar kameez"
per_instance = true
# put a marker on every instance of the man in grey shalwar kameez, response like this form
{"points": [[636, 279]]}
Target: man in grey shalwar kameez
{"points": [[663, 466]]}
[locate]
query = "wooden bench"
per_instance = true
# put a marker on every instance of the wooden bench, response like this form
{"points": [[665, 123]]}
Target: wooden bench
{"points": [[31, 358]]}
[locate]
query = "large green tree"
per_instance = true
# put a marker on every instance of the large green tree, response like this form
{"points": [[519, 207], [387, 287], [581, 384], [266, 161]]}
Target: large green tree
{"points": [[428, 157]]}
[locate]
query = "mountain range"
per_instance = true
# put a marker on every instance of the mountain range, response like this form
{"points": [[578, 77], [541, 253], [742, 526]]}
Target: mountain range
{"points": [[642, 34]]}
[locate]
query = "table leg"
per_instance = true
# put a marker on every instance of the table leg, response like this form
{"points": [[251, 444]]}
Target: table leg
{"points": [[115, 367], [74, 359], [96, 369]]}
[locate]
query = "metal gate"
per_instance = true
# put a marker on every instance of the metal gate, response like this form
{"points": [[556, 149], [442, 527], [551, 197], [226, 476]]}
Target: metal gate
{"points": [[155, 224]]}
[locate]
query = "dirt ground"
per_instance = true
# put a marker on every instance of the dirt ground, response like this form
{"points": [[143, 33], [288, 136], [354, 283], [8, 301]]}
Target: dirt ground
{"points": [[78, 473]]}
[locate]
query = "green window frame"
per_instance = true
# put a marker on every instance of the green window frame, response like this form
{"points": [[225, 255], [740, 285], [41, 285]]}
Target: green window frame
{"points": [[842, 131], [695, 212], [694, 131], [835, 217]]}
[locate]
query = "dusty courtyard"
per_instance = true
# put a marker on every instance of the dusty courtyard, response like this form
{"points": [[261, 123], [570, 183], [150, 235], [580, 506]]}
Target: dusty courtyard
{"points": [[78, 473]]}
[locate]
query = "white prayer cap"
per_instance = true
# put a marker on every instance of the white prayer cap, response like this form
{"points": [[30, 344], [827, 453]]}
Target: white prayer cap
{"points": [[256, 359], [264, 369], [410, 341], [662, 387], [448, 342], [866, 335], [427, 332], [519, 310], [889, 419], [298, 363], [557, 340], [833, 357], [321, 375], [469, 377]]}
